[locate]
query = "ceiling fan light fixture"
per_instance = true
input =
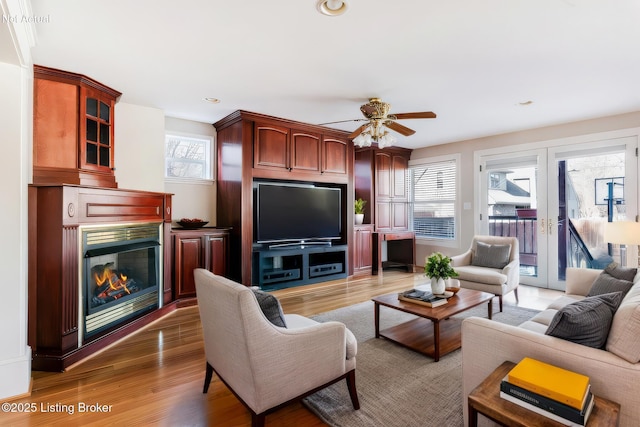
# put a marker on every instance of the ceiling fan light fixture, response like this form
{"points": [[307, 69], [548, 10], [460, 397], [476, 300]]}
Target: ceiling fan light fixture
{"points": [[331, 7]]}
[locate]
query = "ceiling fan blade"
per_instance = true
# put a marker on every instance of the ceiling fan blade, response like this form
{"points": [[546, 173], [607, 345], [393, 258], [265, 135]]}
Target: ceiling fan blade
{"points": [[422, 115], [358, 131], [342, 121], [399, 128]]}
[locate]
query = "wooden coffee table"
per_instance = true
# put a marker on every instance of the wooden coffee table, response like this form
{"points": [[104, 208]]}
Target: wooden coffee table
{"points": [[433, 332]]}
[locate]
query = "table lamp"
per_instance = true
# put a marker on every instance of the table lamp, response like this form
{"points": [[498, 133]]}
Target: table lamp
{"points": [[622, 233]]}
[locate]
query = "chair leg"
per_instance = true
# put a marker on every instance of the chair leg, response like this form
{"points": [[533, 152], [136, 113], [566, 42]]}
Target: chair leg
{"points": [[207, 378], [257, 420], [500, 302], [515, 292], [351, 385]]}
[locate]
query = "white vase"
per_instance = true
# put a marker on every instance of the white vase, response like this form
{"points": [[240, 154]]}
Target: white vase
{"points": [[359, 218], [437, 285]]}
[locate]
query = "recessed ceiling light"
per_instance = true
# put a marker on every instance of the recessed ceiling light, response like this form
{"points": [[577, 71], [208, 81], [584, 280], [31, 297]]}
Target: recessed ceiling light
{"points": [[212, 100], [331, 7]]}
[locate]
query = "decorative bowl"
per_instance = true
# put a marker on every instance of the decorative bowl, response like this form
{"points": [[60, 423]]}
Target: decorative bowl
{"points": [[192, 223], [453, 289]]}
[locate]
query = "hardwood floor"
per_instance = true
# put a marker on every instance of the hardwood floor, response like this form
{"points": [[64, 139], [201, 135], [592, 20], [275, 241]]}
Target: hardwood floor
{"points": [[155, 376]]}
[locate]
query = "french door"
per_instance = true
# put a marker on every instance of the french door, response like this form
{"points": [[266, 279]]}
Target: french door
{"points": [[556, 200]]}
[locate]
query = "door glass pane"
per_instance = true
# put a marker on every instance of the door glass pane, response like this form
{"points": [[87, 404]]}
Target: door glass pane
{"points": [[591, 192], [104, 112], [92, 154], [512, 211], [92, 107], [92, 130], [104, 156], [104, 134]]}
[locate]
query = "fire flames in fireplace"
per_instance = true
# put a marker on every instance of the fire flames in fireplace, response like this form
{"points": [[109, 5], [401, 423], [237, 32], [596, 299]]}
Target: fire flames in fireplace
{"points": [[110, 284]]}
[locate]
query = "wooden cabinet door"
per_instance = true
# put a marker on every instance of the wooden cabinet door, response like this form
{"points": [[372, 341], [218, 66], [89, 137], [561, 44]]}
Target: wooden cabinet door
{"points": [[399, 215], [96, 130], [55, 124], [383, 176], [334, 156], [216, 254], [271, 146], [188, 252], [305, 151], [383, 216], [400, 164], [362, 256]]}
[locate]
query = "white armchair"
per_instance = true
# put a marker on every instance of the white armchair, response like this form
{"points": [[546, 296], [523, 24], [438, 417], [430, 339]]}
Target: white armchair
{"points": [[267, 366], [490, 268]]}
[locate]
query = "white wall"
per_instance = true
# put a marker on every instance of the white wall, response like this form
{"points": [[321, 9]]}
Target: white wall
{"points": [[192, 200], [139, 147], [468, 174], [15, 131]]}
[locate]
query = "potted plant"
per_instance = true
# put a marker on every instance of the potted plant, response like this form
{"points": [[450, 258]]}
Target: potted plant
{"points": [[358, 207], [438, 268]]}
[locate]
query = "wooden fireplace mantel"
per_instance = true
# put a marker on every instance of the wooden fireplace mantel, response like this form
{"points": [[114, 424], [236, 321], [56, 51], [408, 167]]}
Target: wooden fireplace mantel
{"points": [[56, 215]]}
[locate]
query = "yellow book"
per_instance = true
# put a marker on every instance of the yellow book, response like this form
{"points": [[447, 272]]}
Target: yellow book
{"points": [[550, 381]]}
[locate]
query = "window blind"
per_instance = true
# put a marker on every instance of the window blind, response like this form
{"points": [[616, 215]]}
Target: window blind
{"points": [[433, 199]]}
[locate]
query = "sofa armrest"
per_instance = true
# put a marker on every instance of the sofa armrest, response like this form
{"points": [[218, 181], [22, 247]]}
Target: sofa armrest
{"points": [[486, 344], [462, 259], [293, 360], [579, 280], [512, 271]]}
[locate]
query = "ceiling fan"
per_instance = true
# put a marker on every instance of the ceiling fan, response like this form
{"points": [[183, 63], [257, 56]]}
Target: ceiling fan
{"points": [[376, 113]]}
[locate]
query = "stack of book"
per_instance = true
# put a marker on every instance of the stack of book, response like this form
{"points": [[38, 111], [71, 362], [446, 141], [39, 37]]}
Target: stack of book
{"points": [[426, 298], [559, 394]]}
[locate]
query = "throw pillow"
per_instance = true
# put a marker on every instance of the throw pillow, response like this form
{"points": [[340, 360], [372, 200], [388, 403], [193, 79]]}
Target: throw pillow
{"points": [[271, 307], [606, 283], [622, 273], [491, 256], [586, 322]]}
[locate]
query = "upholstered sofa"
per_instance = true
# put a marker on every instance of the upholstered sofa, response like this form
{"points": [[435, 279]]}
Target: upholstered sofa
{"points": [[614, 370]]}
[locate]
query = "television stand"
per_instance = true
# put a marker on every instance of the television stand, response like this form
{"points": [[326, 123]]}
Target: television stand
{"points": [[288, 266], [302, 244]]}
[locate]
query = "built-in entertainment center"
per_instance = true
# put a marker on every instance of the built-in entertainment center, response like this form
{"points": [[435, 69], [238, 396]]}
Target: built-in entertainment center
{"points": [[299, 235], [285, 191]]}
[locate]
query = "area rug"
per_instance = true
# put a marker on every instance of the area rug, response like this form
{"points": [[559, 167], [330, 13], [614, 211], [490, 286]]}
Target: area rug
{"points": [[397, 386]]}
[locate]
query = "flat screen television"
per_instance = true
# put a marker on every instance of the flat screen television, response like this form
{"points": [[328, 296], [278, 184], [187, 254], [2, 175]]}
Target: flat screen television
{"points": [[296, 212]]}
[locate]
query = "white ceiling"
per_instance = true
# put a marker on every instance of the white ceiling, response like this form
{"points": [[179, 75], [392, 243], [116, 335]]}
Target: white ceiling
{"points": [[471, 62]]}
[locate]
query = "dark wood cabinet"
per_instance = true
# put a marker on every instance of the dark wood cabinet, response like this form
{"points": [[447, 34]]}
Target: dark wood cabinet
{"points": [[287, 149], [203, 248], [271, 146], [362, 249], [73, 131], [335, 156], [381, 180], [254, 146]]}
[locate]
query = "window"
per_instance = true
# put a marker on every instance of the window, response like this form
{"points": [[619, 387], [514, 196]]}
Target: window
{"points": [[433, 192], [188, 157]]}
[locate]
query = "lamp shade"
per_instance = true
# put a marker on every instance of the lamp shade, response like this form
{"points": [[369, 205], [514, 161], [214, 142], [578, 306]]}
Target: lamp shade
{"points": [[622, 232]]}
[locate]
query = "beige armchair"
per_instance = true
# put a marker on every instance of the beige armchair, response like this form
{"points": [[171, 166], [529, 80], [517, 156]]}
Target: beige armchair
{"points": [[267, 366], [489, 266]]}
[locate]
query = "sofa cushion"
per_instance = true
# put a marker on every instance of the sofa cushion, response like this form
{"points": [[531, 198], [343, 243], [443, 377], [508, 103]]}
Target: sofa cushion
{"points": [[490, 276], [625, 329], [491, 256], [271, 308], [563, 300], [606, 283], [622, 273], [586, 322]]}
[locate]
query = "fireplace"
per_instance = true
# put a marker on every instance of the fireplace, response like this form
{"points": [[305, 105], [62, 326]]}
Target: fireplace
{"points": [[121, 275]]}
